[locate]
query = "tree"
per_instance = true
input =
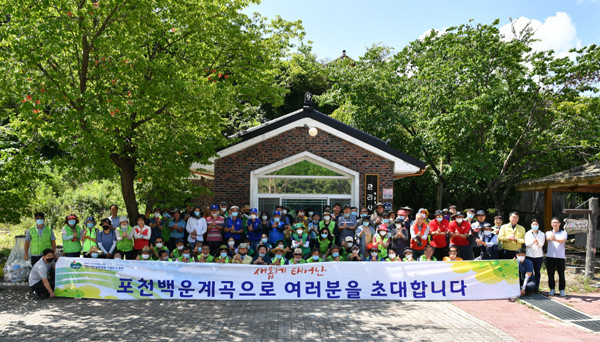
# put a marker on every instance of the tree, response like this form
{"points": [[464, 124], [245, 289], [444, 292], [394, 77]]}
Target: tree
{"points": [[140, 87], [484, 111]]}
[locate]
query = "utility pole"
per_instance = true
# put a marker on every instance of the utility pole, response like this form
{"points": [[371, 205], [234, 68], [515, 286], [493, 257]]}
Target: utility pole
{"points": [[590, 250]]}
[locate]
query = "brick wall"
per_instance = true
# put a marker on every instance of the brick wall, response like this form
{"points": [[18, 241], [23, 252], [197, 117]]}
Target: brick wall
{"points": [[232, 173]]}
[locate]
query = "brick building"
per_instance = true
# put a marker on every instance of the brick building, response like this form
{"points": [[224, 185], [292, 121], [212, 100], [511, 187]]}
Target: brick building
{"points": [[306, 159]]}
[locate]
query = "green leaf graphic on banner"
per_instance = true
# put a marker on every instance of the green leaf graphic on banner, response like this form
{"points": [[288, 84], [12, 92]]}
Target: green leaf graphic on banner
{"points": [[489, 271]]}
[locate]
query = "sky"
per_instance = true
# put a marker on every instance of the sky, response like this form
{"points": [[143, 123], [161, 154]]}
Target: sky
{"points": [[355, 25]]}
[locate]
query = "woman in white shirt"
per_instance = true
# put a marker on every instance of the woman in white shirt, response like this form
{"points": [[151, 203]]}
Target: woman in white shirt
{"points": [[534, 241], [555, 257]]}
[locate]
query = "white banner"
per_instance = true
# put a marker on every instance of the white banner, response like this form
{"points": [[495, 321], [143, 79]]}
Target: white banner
{"points": [[120, 279]]}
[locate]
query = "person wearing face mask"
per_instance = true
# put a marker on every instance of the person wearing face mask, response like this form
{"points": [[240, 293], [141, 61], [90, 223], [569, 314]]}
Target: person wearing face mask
{"points": [[334, 254], [373, 253], [459, 232], [89, 235], [471, 216], [364, 234], [261, 257], [452, 254], [196, 227], [419, 232], [93, 253], [300, 239], [176, 252], [234, 226], [215, 224], [278, 257], [245, 213], [141, 235], [315, 256], [534, 242], [399, 237], [446, 213], [525, 273], [264, 240], [287, 252], [107, 239], [346, 224], [242, 256], [392, 256], [309, 216], [381, 241], [177, 229], [231, 249], [223, 257], [41, 277], [425, 212], [277, 227], [163, 256], [313, 225], [125, 238], [117, 255], [347, 245], [439, 230], [408, 255], [328, 223], [354, 254], [186, 255], [512, 236], [223, 210], [158, 248], [301, 215], [156, 225], [324, 241], [298, 257], [254, 227], [477, 232], [204, 255], [497, 224], [555, 257], [70, 236], [487, 242]]}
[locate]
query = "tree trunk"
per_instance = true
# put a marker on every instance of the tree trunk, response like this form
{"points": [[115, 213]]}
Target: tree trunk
{"points": [[128, 190]]}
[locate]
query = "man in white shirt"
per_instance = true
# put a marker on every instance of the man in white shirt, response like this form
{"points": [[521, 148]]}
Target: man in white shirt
{"points": [[555, 257], [534, 241]]}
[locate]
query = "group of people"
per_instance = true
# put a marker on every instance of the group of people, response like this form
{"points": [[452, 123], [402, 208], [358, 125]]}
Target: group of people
{"points": [[230, 234]]}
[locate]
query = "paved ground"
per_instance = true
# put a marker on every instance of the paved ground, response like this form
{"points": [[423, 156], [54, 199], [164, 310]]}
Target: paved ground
{"points": [[22, 319], [25, 319]]}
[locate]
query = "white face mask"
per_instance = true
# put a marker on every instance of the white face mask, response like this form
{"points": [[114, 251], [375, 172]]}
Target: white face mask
{"points": [[459, 220], [223, 209], [409, 256], [280, 246], [159, 245], [231, 243], [145, 256], [521, 258], [310, 213], [265, 218], [117, 258], [374, 254], [487, 232], [326, 218], [214, 214], [179, 247], [124, 226], [253, 217], [156, 214], [349, 244], [392, 256], [284, 212], [299, 231], [382, 233]]}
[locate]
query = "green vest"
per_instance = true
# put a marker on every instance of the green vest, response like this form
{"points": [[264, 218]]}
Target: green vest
{"points": [[158, 252], [305, 250], [293, 262], [281, 261], [87, 244], [166, 232], [310, 259], [227, 261], [331, 226], [382, 250], [323, 245], [209, 258], [38, 244], [125, 244], [72, 246]]}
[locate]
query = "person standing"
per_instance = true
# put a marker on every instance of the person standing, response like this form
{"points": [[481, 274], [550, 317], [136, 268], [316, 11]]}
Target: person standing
{"points": [[88, 236], [107, 239], [399, 237], [438, 229], [125, 238], [39, 238], [176, 229], [555, 257], [459, 231], [487, 243], [534, 241], [70, 236], [512, 236], [196, 227], [346, 224], [215, 224], [114, 216]]}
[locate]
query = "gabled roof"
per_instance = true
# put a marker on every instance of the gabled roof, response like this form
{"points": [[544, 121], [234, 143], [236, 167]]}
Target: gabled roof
{"points": [[309, 117], [578, 179]]}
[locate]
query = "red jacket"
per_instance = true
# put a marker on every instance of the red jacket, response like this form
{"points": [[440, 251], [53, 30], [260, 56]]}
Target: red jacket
{"points": [[438, 241], [464, 228], [424, 231]]}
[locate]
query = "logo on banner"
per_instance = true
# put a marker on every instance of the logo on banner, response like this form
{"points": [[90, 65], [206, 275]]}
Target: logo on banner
{"points": [[76, 265]]}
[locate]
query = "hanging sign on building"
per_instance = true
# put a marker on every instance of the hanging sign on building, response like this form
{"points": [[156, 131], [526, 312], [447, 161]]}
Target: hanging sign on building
{"points": [[371, 191], [576, 226]]}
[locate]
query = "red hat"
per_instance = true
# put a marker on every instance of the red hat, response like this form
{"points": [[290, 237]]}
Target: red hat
{"points": [[370, 247], [382, 227]]}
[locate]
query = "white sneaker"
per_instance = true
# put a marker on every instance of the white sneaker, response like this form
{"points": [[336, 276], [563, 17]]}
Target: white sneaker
{"points": [[562, 293], [551, 293]]}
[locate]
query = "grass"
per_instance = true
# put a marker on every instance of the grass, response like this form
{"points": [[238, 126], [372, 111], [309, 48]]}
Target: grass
{"points": [[575, 283]]}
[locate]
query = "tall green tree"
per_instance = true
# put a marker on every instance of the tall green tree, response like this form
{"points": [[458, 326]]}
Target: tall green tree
{"points": [[484, 111], [139, 88]]}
